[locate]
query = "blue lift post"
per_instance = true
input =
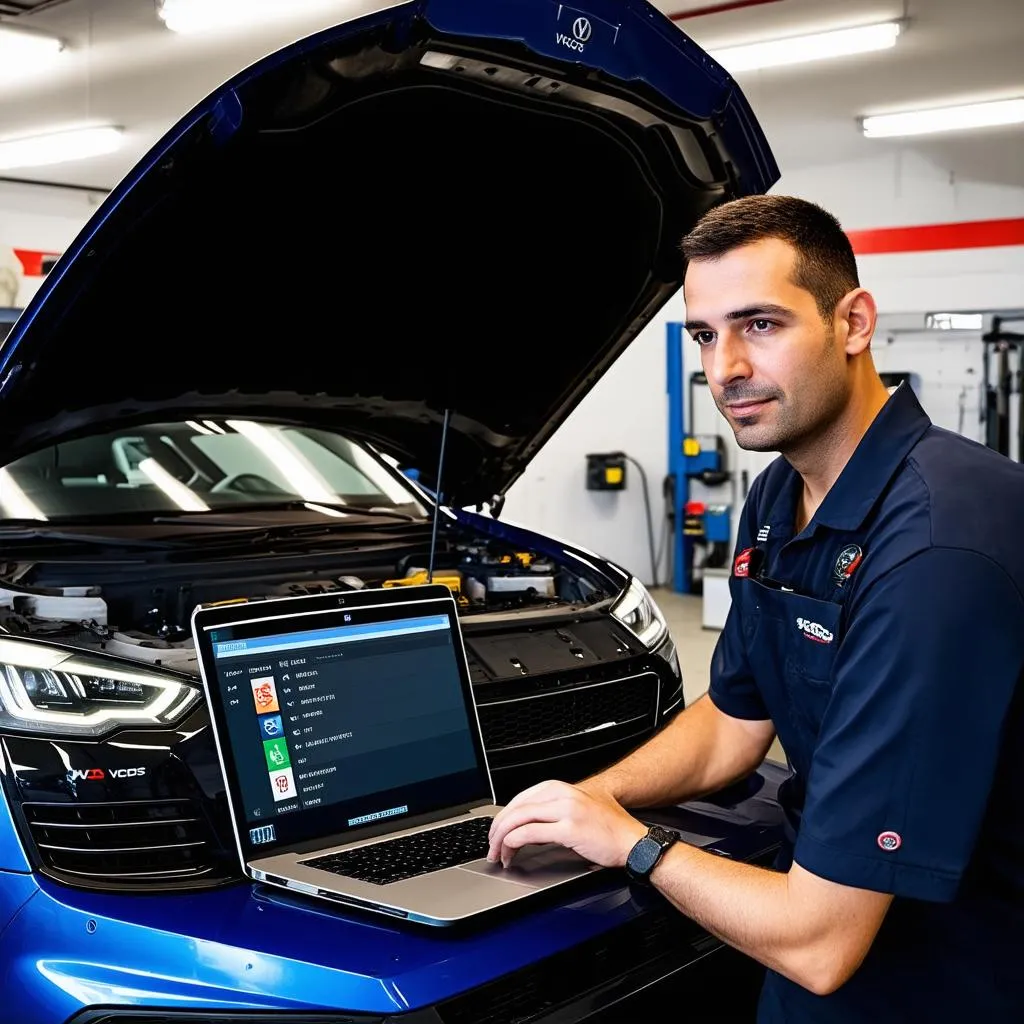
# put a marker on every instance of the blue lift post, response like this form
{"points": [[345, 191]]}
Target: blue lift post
{"points": [[686, 462], [682, 544]]}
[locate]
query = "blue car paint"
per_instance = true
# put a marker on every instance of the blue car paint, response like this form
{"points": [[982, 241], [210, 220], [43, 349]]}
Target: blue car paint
{"points": [[246, 947], [16, 889], [646, 48], [250, 947], [630, 41], [12, 852]]}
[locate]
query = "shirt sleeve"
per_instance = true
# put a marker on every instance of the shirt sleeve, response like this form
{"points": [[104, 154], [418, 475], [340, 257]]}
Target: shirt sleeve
{"points": [[733, 689], [928, 668]]}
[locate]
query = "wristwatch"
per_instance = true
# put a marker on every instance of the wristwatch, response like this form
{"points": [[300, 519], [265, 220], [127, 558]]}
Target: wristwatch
{"points": [[647, 852]]}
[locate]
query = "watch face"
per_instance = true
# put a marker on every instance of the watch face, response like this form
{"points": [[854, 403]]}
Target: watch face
{"points": [[646, 854]]}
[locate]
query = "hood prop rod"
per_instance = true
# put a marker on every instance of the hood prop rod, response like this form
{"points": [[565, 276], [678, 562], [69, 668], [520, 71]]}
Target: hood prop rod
{"points": [[438, 495]]}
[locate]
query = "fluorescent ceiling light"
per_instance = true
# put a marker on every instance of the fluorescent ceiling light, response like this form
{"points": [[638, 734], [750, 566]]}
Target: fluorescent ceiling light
{"points": [[211, 15], [58, 147], [802, 49], [945, 119], [22, 53]]}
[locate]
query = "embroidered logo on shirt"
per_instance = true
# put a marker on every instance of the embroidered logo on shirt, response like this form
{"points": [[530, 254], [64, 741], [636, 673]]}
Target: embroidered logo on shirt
{"points": [[890, 841], [849, 558], [741, 567], [815, 631], [762, 534]]}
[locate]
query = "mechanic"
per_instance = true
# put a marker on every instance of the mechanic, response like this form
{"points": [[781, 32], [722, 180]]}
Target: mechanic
{"points": [[876, 627]]}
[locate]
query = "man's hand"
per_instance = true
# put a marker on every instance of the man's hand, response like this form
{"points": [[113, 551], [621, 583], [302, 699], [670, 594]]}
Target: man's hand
{"points": [[591, 824]]}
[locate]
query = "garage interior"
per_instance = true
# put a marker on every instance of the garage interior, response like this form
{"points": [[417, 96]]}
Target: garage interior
{"points": [[643, 470]]}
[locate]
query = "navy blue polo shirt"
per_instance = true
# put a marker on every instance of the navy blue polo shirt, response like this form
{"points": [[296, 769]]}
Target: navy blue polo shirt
{"points": [[886, 644]]}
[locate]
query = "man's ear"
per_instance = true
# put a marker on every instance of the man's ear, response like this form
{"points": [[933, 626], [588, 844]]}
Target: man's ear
{"points": [[855, 318]]}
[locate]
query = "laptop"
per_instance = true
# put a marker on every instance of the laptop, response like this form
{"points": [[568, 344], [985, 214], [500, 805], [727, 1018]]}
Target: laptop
{"points": [[352, 754]]}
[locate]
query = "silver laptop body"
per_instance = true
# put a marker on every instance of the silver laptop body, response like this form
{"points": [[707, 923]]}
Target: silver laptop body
{"points": [[347, 720]]}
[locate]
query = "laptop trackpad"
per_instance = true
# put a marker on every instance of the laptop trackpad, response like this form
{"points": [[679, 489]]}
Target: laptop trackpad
{"points": [[537, 866]]}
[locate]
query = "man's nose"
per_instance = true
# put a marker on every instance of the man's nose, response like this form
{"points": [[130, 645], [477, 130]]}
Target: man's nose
{"points": [[728, 362]]}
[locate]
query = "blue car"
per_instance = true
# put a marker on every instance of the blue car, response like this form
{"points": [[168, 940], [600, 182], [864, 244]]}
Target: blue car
{"points": [[473, 208]]}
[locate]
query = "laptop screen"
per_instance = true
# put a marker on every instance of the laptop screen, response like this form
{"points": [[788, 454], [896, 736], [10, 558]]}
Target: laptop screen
{"points": [[331, 720]]}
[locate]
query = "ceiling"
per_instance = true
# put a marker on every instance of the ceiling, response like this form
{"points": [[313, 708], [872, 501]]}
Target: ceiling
{"points": [[123, 67]]}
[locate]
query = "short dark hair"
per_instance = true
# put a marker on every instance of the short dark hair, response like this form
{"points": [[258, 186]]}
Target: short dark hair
{"points": [[825, 264]]}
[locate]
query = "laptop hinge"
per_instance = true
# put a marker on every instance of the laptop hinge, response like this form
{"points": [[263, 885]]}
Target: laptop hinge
{"points": [[384, 827]]}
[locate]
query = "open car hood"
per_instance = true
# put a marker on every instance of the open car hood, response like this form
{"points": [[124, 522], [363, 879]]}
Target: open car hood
{"points": [[441, 206]]}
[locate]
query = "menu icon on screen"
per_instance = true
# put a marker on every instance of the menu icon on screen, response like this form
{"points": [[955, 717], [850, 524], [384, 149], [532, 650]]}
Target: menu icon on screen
{"points": [[271, 727], [277, 754], [282, 784], [264, 694]]}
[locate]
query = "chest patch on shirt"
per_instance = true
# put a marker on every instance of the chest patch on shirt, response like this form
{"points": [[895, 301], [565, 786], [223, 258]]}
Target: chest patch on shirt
{"points": [[815, 631], [741, 567], [846, 563]]}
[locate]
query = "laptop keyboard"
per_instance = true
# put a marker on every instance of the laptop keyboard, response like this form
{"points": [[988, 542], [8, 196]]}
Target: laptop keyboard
{"points": [[422, 852]]}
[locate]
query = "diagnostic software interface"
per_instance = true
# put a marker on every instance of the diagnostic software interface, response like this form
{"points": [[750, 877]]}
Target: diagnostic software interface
{"points": [[367, 718]]}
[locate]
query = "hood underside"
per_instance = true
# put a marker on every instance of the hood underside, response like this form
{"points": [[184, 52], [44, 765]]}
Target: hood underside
{"points": [[389, 220]]}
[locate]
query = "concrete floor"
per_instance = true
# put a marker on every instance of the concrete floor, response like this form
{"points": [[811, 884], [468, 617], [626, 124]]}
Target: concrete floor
{"points": [[695, 645]]}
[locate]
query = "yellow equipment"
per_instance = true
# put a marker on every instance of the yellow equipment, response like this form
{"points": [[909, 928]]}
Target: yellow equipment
{"points": [[452, 580]]}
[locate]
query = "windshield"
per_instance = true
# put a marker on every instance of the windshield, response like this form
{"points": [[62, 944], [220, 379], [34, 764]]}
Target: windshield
{"points": [[199, 466]]}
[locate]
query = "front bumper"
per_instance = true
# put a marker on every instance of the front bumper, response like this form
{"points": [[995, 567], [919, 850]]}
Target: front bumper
{"points": [[68, 955]]}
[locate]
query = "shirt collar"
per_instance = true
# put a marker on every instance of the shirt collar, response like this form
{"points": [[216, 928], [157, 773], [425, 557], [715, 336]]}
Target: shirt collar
{"points": [[899, 425]]}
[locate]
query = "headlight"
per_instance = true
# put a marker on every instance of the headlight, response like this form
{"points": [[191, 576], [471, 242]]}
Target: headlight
{"points": [[62, 692], [636, 610]]}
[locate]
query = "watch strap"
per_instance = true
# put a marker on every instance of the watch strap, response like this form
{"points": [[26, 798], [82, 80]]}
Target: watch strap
{"points": [[647, 853]]}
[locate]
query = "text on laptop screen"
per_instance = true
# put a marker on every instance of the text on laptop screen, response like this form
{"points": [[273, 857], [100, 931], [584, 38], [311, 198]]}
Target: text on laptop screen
{"points": [[359, 722]]}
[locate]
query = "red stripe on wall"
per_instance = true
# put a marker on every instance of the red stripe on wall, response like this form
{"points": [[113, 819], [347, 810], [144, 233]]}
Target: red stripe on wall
{"points": [[32, 261], [975, 234], [719, 8]]}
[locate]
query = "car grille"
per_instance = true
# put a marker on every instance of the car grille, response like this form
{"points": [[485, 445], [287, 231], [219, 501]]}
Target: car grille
{"points": [[620, 706], [129, 841]]}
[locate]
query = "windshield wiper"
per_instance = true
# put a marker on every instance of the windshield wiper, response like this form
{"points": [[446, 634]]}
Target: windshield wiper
{"points": [[207, 528], [235, 517], [40, 531]]}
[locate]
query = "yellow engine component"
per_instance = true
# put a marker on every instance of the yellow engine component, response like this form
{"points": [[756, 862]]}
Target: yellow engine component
{"points": [[524, 558], [452, 580]]}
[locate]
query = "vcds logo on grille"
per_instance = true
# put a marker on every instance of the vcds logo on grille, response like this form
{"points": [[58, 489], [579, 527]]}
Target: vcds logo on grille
{"points": [[98, 774]]}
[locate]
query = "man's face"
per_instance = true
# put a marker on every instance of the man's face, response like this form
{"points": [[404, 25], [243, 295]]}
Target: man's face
{"points": [[774, 366]]}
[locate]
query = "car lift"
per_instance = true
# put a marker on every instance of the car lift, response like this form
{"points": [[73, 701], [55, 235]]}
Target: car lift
{"points": [[996, 406], [693, 524]]}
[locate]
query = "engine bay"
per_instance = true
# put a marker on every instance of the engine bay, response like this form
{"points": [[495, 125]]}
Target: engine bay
{"points": [[144, 616]]}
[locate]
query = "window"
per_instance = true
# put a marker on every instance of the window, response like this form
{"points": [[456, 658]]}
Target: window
{"points": [[199, 466]]}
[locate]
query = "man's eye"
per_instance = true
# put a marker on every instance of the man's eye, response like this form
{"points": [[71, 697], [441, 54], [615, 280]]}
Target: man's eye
{"points": [[762, 325], [703, 337]]}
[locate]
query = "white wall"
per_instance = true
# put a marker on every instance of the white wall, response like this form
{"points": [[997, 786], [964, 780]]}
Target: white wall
{"points": [[627, 411], [40, 218]]}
